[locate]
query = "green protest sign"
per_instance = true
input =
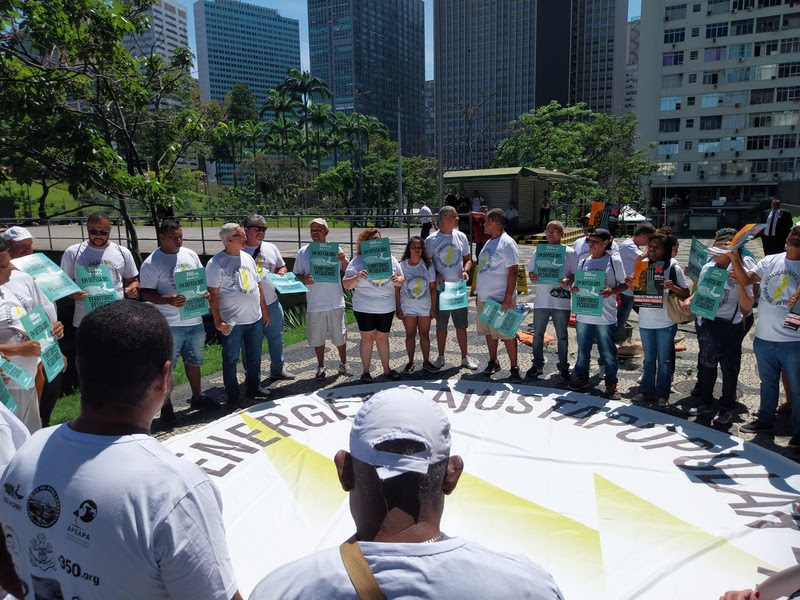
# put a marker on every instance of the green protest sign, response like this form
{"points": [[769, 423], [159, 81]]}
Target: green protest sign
{"points": [[191, 284], [96, 281], [54, 283], [377, 258], [587, 300], [324, 262]]}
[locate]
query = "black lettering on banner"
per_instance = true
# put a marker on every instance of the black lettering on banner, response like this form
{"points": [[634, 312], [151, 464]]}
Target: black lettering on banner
{"points": [[224, 448], [705, 303], [279, 426], [615, 420], [322, 419], [716, 462], [693, 444], [244, 432], [481, 403], [584, 412], [560, 402], [336, 409], [527, 407]]}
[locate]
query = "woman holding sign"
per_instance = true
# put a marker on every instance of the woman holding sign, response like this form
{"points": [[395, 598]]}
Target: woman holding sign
{"points": [[415, 301], [372, 275], [724, 311], [656, 329]]}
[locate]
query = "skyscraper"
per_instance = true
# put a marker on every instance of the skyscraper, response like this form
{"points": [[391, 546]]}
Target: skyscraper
{"points": [[243, 43], [496, 60], [167, 31], [372, 53]]}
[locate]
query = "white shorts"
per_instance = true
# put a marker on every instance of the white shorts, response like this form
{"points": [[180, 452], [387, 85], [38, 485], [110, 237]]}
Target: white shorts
{"points": [[322, 325]]}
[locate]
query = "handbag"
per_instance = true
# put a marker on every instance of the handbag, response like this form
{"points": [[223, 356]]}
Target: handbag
{"points": [[674, 305]]}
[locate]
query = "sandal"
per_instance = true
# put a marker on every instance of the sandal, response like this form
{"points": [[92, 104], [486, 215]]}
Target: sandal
{"points": [[392, 375], [409, 367]]}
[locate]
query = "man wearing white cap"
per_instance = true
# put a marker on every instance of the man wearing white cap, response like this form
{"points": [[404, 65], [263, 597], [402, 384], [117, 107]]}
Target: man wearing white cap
{"points": [[20, 241], [324, 303], [398, 471]]}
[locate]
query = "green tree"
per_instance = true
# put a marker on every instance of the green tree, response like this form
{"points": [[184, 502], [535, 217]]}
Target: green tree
{"points": [[240, 105], [305, 88], [597, 150]]}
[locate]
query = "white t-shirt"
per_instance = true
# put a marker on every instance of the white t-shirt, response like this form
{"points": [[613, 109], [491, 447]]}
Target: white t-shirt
{"points": [[158, 273], [119, 261], [542, 297], [425, 214], [323, 295], [12, 308], [114, 517], [476, 202], [269, 260], [581, 247], [615, 275], [13, 434], [415, 294], [728, 308], [452, 568], [511, 213], [448, 251], [779, 280], [497, 256], [657, 317], [237, 279], [628, 253], [29, 294], [374, 296]]}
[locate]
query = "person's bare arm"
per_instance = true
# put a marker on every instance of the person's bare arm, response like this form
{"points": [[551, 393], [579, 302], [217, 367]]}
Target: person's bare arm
{"points": [[743, 276], [213, 303], [511, 286], [131, 287], [153, 297]]}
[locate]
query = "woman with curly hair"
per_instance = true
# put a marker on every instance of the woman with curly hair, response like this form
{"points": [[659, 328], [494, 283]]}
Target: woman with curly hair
{"points": [[416, 301]]}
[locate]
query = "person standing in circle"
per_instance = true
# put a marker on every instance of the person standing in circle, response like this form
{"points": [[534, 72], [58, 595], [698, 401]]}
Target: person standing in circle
{"points": [[416, 300]]}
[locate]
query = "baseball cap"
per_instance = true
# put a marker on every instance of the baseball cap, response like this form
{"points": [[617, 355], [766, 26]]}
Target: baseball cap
{"points": [[400, 413], [319, 221], [603, 234], [17, 234]]}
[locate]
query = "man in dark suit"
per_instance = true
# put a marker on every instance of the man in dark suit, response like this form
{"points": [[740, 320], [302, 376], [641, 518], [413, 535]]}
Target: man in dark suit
{"points": [[779, 223]]}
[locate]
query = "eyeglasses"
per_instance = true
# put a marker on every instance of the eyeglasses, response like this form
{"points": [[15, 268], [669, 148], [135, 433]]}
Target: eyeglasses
{"points": [[256, 227], [99, 232]]}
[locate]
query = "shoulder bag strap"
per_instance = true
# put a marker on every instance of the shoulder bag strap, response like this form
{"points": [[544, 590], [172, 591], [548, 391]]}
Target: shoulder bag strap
{"points": [[359, 572]]}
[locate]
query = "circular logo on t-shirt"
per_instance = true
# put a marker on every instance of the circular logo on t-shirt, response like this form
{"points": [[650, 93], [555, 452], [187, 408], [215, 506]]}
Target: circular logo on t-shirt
{"points": [[44, 507], [415, 287], [447, 255], [779, 286]]}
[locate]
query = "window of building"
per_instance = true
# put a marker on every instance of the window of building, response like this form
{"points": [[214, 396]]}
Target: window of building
{"points": [[693, 55], [763, 96], [730, 144], [767, 48], [759, 165], [692, 77], [763, 119], [791, 21], [669, 125], [786, 117], [715, 53], [785, 94], [766, 24], [671, 59], [736, 98], [711, 100], [738, 74], [791, 69], [670, 81], [690, 101], [758, 142], [768, 3], [710, 123], [666, 169], [708, 145], [742, 4], [764, 72], [742, 27], [687, 145], [674, 36], [676, 11], [781, 165], [695, 32], [790, 45], [711, 77], [668, 147], [689, 123], [670, 103], [740, 51], [718, 7], [716, 30], [687, 167], [784, 140]]}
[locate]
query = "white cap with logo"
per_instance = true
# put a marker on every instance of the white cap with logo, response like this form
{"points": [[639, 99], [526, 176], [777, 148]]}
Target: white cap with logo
{"points": [[17, 234], [400, 413]]}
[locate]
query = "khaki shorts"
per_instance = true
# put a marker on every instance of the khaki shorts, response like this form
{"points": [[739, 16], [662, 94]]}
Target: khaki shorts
{"points": [[483, 329], [324, 324]]}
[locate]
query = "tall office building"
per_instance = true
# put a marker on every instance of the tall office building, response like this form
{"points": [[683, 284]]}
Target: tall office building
{"points": [[497, 60], [167, 31], [719, 90], [632, 65], [371, 54], [429, 150], [243, 43]]}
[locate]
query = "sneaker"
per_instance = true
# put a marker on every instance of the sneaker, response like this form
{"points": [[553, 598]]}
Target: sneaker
{"points": [[366, 378], [577, 385], [612, 392], [439, 362], [345, 370], [756, 426], [794, 441], [468, 363], [392, 375], [202, 402], [429, 366], [282, 376], [565, 375], [168, 418], [515, 376], [257, 393], [638, 398], [533, 373], [723, 417], [492, 367], [663, 402], [699, 409], [409, 368], [320, 373]]}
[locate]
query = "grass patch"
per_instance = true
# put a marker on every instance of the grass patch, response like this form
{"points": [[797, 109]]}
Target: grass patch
{"points": [[68, 407]]}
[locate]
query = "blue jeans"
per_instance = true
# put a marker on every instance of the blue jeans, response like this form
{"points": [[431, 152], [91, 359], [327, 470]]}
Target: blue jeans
{"points": [[560, 321], [587, 333], [623, 312], [658, 345], [274, 334], [189, 343], [723, 347], [247, 338], [771, 357]]}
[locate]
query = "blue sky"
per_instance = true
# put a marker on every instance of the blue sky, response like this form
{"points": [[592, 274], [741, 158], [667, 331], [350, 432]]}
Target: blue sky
{"points": [[296, 9]]}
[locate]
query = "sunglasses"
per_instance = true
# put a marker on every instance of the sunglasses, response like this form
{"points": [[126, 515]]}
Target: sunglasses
{"points": [[257, 228], [99, 232]]}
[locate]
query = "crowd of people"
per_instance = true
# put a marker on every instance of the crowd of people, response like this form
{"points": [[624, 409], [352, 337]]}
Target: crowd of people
{"points": [[163, 515]]}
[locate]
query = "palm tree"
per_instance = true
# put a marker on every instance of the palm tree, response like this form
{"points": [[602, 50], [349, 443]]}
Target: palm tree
{"points": [[284, 107], [304, 87], [321, 119]]}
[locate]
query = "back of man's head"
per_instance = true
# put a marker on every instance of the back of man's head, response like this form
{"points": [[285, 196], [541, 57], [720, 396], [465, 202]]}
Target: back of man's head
{"points": [[121, 350]]}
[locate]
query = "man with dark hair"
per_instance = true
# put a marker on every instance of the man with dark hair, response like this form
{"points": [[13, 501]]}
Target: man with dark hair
{"points": [[628, 253], [398, 471], [188, 335], [105, 509], [778, 223], [98, 249]]}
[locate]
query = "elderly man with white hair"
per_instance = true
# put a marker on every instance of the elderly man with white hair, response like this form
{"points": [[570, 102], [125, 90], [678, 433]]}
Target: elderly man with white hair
{"points": [[239, 310]]}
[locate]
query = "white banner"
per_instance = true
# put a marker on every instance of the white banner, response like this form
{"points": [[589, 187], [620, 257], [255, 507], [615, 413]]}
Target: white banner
{"points": [[616, 501]]}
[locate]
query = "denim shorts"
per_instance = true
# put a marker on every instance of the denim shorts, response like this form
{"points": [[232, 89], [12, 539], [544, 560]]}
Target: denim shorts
{"points": [[188, 342]]}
